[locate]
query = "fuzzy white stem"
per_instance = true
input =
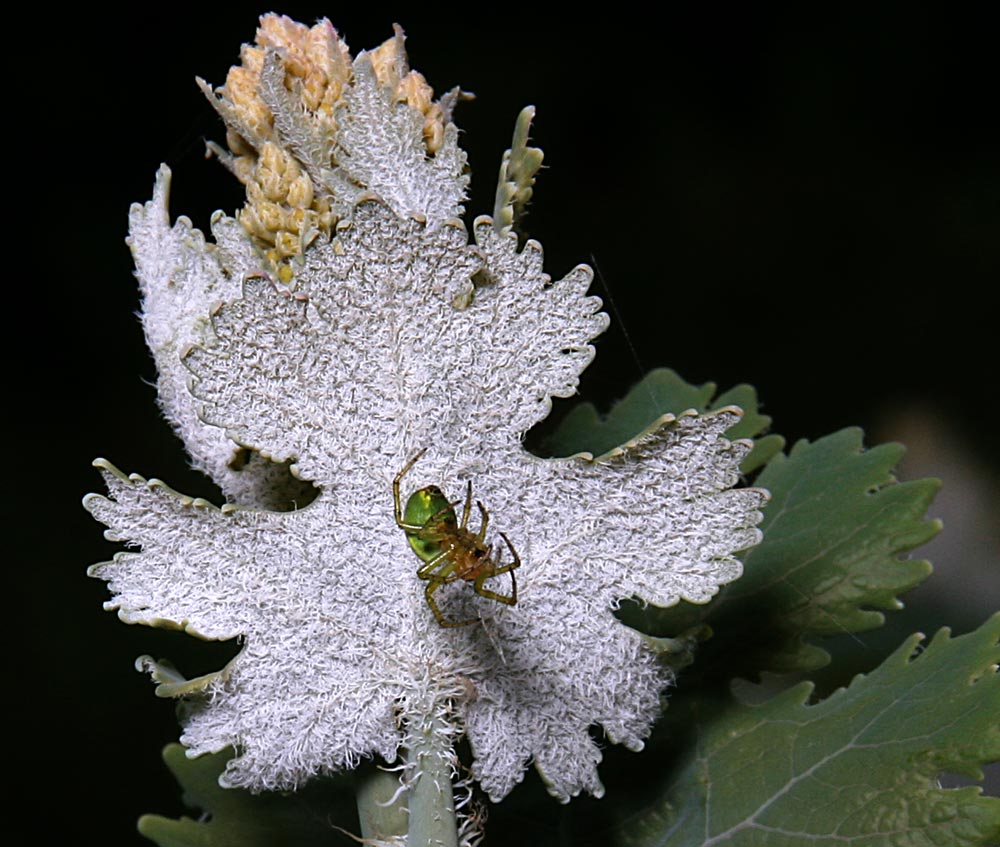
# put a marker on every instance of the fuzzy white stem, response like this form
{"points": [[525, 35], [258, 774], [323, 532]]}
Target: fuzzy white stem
{"points": [[432, 799]]}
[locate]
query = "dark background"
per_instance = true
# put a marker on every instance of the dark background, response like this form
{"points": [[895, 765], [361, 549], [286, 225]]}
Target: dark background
{"points": [[806, 203]]}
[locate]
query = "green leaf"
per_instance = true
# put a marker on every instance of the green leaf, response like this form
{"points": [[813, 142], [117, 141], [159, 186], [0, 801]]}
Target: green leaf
{"points": [[861, 767], [236, 818], [585, 430], [834, 531], [382, 812]]}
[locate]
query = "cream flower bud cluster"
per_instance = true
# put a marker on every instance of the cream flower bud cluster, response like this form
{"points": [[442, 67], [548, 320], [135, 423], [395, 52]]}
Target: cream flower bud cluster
{"points": [[284, 207]]}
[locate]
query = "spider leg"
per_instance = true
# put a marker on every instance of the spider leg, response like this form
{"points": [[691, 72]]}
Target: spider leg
{"points": [[516, 563], [468, 506], [481, 535], [444, 563], [479, 585], [433, 586], [440, 513], [395, 491]]}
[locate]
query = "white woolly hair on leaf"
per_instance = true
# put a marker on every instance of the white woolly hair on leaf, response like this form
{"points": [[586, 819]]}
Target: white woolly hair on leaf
{"points": [[344, 379]]}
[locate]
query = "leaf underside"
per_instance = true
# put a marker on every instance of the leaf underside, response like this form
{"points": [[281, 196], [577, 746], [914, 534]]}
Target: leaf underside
{"points": [[860, 767]]}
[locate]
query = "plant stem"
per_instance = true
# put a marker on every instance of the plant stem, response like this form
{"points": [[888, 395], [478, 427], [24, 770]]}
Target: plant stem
{"points": [[431, 763]]}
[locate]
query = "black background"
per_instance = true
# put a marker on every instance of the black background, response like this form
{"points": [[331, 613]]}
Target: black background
{"points": [[806, 203]]}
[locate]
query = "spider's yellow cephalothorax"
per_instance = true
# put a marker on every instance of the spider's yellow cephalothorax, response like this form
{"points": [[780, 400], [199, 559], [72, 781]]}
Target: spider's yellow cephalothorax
{"points": [[449, 549]]}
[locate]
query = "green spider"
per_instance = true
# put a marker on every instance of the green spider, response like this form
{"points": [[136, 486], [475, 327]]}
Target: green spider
{"points": [[449, 550]]}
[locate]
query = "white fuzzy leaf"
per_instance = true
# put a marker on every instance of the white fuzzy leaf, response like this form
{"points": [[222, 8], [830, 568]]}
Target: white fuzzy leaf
{"points": [[381, 151], [386, 348]]}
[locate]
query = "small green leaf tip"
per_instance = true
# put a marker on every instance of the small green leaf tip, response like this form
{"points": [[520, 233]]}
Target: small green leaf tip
{"points": [[518, 168], [860, 767], [171, 682]]}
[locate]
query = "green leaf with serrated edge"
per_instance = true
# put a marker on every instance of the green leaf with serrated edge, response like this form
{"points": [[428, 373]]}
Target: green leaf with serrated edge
{"points": [[585, 430], [834, 530], [861, 767], [237, 818]]}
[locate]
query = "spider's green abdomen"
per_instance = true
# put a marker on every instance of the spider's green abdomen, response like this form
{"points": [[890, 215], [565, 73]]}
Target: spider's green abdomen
{"points": [[423, 506]]}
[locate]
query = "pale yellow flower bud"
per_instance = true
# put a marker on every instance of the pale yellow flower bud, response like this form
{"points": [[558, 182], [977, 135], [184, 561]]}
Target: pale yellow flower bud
{"points": [[286, 207]]}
